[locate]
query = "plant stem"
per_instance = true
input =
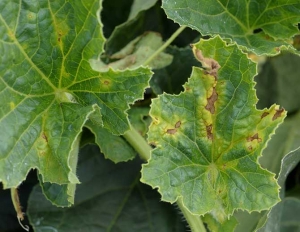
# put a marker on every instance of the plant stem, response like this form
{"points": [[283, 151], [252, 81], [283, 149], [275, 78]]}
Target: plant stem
{"points": [[194, 221], [143, 148], [166, 44], [16, 203], [138, 143]]}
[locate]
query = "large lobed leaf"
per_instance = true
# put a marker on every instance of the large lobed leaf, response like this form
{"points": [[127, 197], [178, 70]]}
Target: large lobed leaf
{"points": [[260, 26], [208, 138], [48, 89]]}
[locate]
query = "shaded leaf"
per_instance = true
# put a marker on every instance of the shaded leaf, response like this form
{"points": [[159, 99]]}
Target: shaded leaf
{"points": [[134, 54], [109, 198], [152, 19], [210, 136], [171, 78], [48, 89], [262, 27], [284, 210], [286, 139], [290, 215], [138, 6], [279, 82]]}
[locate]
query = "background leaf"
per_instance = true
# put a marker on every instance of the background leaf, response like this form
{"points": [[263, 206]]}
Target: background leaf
{"points": [[109, 198], [152, 19], [279, 82], [281, 217], [210, 136], [171, 78], [135, 53], [260, 26]]}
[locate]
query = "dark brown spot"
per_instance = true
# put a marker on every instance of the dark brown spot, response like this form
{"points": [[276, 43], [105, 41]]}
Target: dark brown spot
{"points": [[106, 82], [45, 137], [250, 148], [59, 36], [264, 114], [210, 136], [153, 144], [171, 131], [277, 114], [178, 124], [251, 138], [211, 101]]}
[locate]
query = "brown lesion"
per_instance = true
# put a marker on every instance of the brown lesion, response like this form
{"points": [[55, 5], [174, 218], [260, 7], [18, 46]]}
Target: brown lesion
{"points": [[45, 137], [277, 114], [254, 137], [178, 124], [265, 114], [211, 66], [171, 131], [210, 106], [59, 36], [210, 136], [174, 130]]}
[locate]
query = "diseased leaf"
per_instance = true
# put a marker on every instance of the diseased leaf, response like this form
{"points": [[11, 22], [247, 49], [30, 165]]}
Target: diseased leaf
{"points": [[262, 27], [48, 89], [110, 198], [209, 137]]}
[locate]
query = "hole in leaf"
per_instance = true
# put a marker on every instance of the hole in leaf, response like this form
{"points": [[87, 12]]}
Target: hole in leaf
{"points": [[257, 30]]}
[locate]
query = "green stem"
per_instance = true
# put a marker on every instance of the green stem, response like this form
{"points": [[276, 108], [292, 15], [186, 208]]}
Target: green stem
{"points": [[138, 143], [143, 148], [194, 221], [166, 44]]}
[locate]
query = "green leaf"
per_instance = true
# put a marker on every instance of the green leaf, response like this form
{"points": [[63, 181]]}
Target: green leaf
{"points": [[262, 27], [114, 147], [48, 89], [110, 198], [210, 136], [140, 119], [216, 226]]}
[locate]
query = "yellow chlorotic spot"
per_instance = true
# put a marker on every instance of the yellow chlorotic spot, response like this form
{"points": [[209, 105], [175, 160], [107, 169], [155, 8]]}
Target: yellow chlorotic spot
{"points": [[12, 105], [31, 16]]}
